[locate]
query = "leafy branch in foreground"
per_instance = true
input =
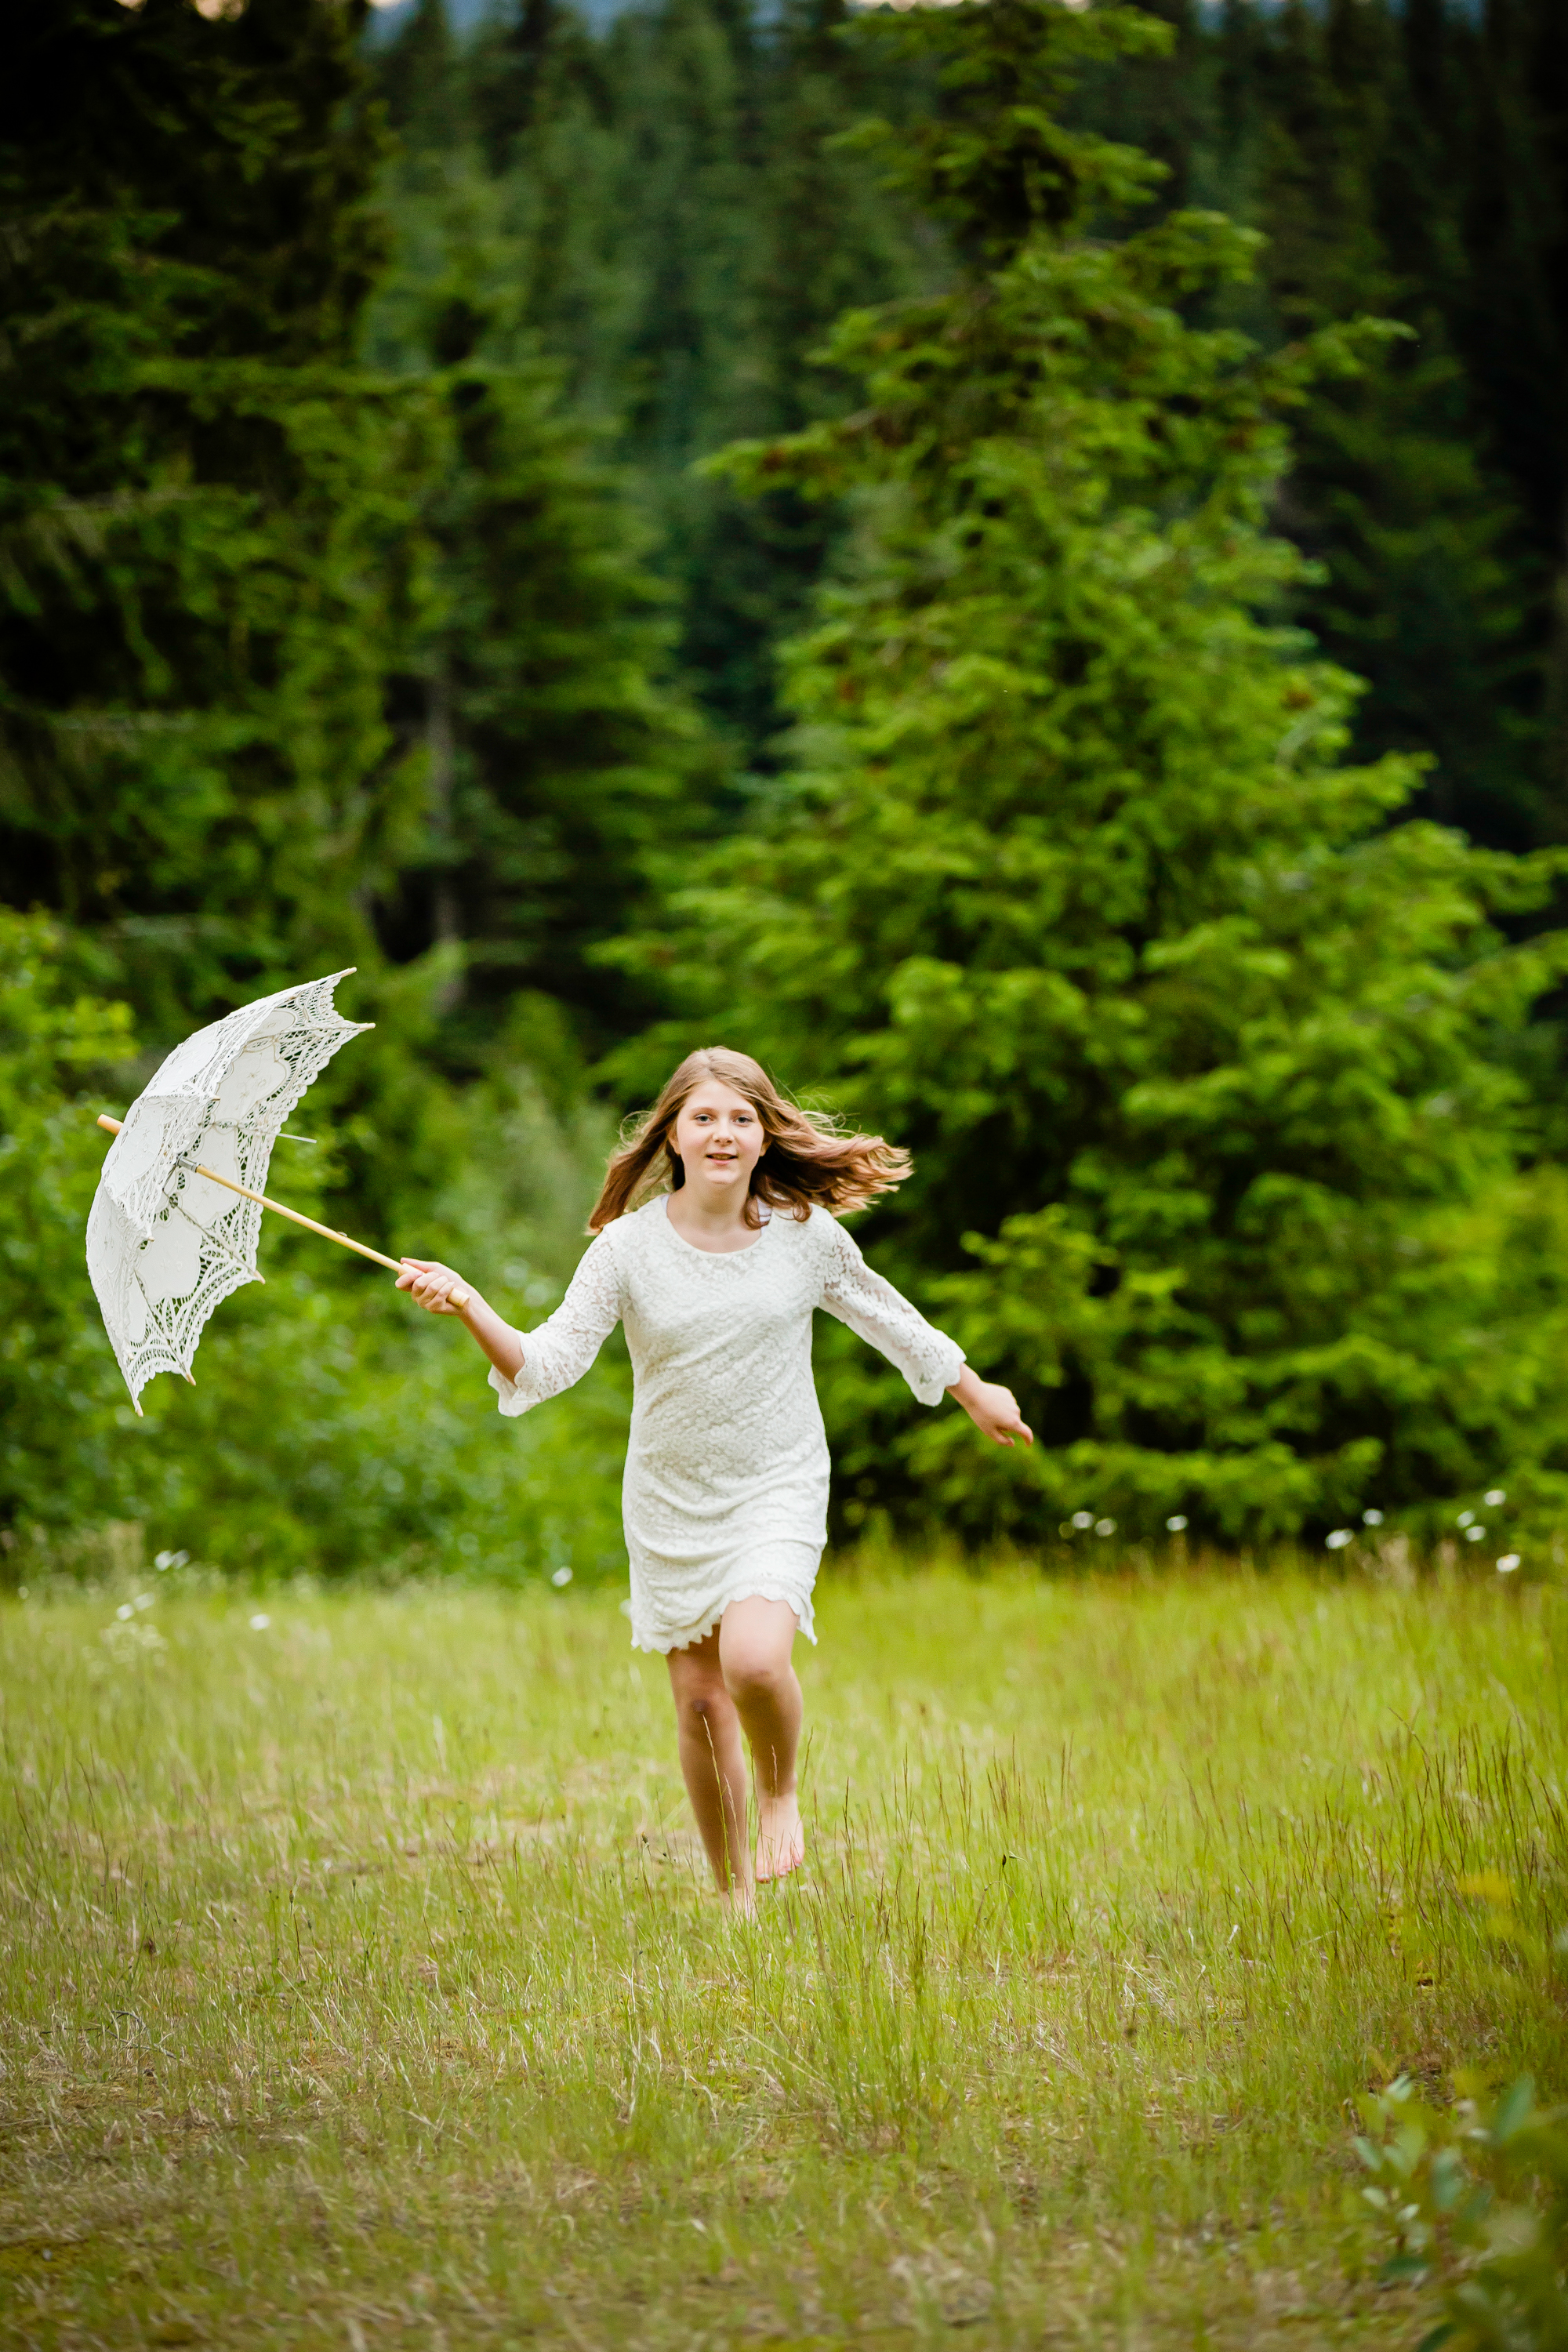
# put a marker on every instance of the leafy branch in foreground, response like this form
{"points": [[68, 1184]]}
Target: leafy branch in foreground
{"points": [[1476, 2200]]}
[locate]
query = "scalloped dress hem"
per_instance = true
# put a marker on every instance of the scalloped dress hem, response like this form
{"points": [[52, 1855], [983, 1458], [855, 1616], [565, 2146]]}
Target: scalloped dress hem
{"points": [[742, 1584]]}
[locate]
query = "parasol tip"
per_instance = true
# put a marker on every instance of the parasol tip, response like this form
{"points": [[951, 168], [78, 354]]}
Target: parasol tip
{"points": [[112, 1124]]}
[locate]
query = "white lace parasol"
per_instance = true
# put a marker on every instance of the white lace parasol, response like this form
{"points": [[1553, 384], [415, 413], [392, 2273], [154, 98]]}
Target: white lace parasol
{"points": [[167, 1241]]}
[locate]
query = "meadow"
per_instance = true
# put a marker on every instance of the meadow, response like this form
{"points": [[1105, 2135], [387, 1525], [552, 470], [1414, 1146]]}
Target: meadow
{"points": [[361, 1988]]}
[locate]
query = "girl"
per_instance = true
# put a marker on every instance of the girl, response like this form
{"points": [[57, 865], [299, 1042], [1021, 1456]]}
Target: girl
{"points": [[716, 1236]]}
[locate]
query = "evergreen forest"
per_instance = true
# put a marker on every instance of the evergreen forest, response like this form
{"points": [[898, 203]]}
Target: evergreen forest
{"points": [[1010, 559]]}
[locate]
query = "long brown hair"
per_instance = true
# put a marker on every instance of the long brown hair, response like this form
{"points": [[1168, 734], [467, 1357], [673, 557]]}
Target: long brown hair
{"points": [[806, 1157]]}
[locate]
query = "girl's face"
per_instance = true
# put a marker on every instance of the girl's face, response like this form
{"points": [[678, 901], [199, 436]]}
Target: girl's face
{"points": [[718, 1139]]}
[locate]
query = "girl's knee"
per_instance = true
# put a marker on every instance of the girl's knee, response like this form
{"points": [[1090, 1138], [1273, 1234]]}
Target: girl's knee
{"points": [[703, 1706], [751, 1674]]}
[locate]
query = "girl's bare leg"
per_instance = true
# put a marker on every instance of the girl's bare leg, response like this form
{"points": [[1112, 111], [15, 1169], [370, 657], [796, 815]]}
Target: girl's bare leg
{"points": [[713, 1763], [755, 1637]]}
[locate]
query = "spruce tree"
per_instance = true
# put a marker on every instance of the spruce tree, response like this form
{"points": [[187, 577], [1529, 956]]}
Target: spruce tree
{"points": [[1511, 320], [419, 79], [682, 225], [1068, 889], [1395, 491], [206, 516], [558, 758]]}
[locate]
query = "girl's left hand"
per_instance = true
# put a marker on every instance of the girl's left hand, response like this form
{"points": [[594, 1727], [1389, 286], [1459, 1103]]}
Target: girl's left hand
{"points": [[993, 1409]]}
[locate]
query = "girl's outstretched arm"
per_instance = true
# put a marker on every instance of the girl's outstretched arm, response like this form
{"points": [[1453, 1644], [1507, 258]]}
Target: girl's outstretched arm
{"points": [[430, 1285], [927, 1358], [993, 1409]]}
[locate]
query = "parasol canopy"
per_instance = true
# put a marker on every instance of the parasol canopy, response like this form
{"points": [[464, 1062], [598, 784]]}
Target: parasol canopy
{"points": [[177, 1215]]}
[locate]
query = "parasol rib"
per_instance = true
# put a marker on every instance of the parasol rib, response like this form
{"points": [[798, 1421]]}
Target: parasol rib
{"points": [[459, 1298]]}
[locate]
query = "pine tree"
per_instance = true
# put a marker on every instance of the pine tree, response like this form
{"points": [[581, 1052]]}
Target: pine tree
{"points": [[557, 753], [558, 759], [1417, 537], [1511, 316], [205, 519], [681, 227], [1068, 889], [420, 81]]}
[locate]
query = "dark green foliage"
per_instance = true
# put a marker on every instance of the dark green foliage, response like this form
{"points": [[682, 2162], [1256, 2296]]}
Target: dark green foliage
{"points": [[57, 1374], [555, 763], [328, 634], [687, 220], [249, 588], [1346, 133], [204, 513], [417, 80], [246, 134], [556, 766], [1068, 889], [1510, 77], [666, 209], [232, 560]]}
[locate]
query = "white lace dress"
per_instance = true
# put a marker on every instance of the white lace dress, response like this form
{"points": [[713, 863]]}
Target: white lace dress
{"points": [[726, 1483]]}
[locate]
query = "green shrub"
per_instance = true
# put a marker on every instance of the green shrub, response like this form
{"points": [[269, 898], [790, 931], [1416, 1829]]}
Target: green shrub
{"points": [[1474, 2198]]}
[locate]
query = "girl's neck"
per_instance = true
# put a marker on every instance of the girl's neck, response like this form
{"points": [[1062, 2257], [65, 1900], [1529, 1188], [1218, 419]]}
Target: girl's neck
{"points": [[717, 1224]]}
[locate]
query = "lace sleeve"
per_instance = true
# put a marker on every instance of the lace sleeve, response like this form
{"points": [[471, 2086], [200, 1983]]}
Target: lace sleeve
{"points": [[873, 1309], [560, 1350]]}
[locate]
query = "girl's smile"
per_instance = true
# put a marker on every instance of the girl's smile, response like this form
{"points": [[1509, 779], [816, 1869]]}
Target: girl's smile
{"points": [[718, 1139]]}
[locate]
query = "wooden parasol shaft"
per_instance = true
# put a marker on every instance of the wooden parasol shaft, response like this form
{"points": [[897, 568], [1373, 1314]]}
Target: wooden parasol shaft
{"points": [[295, 1216]]}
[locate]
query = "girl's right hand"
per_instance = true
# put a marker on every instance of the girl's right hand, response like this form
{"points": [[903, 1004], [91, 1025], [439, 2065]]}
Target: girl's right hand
{"points": [[435, 1288]]}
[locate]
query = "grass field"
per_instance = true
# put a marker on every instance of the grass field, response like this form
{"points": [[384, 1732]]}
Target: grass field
{"points": [[360, 1986]]}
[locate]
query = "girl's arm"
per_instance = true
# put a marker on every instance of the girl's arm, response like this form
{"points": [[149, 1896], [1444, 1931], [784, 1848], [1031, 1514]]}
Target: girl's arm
{"points": [[430, 1285], [559, 1352], [927, 1358]]}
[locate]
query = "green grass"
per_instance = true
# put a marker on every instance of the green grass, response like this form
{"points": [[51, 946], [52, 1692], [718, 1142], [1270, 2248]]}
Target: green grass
{"points": [[360, 1986]]}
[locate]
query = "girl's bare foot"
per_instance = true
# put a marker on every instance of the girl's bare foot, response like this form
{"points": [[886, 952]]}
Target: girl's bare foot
{"points": [[781, 1840], [739, 1902]]}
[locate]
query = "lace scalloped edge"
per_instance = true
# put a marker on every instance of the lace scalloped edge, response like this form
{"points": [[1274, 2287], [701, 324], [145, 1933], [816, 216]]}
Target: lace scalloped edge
{"points": [[762, 1588]]}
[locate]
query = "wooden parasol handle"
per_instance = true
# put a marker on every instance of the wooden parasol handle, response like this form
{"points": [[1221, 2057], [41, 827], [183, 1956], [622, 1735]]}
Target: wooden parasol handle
{"points": [[328, 1233]]}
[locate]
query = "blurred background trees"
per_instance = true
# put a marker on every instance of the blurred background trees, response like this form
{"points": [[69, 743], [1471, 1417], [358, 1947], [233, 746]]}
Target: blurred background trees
{"points": [[687, 222], [1067, 883], [366, 598]]}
